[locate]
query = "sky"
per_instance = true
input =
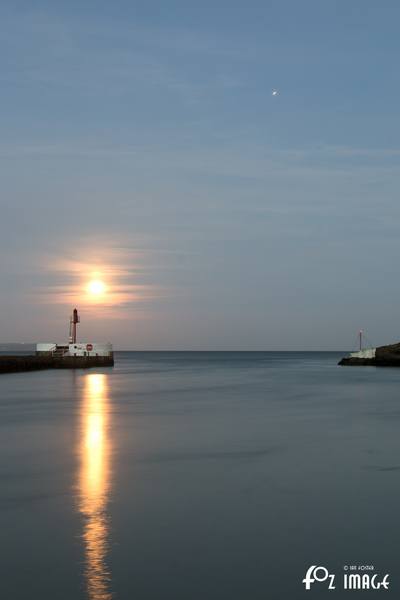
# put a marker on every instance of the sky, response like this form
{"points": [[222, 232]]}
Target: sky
{"points": [[141, 146]]}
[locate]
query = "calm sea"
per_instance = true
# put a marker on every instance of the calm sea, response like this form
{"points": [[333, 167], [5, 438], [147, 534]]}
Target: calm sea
{"points": [[198, 476]]}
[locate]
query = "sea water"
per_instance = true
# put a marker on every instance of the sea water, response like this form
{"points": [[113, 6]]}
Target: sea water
{"points": [[198, 476]]}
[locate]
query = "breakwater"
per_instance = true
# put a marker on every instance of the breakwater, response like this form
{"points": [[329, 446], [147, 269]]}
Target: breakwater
{"points": [[16, 363], [383, 356]]}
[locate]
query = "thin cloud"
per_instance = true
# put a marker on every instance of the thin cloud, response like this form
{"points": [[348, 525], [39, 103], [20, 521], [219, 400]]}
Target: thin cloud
{"points": [[124, 272]]}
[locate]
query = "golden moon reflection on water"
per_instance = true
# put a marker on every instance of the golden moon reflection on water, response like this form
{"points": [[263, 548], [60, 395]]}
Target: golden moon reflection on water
{"points": [[94, 484]]}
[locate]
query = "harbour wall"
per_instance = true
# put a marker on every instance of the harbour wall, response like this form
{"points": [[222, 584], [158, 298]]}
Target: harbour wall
{"points": [[383, 356], [15, 364]]}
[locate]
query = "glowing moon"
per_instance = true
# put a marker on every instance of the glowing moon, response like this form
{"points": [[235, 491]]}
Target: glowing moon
{"points": [[96, 287]]}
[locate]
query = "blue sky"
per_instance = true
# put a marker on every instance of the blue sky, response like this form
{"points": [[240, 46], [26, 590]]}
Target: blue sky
{"points": [[143, 139]]}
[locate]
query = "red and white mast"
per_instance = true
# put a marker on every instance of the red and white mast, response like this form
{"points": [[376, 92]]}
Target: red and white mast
{"points": [[74, 320]]}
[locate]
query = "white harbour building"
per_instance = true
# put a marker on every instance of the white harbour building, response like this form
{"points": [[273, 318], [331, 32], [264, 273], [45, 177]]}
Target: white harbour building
{"points": [[78, 349]]}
